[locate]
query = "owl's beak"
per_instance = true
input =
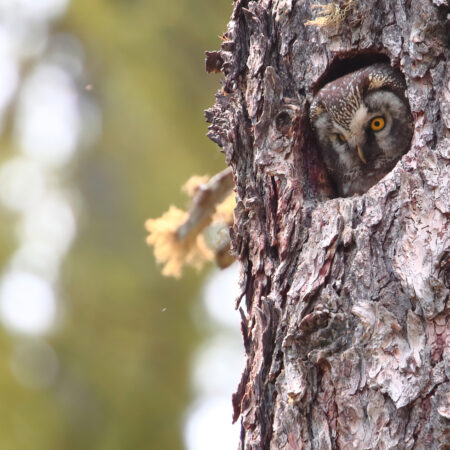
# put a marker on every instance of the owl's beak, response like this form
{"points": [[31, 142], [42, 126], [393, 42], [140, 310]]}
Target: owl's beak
{"points": [[361, 154]]}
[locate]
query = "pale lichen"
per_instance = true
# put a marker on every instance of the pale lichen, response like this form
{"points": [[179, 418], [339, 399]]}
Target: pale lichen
{"points": [[224, 211], [193, 184], [331, 14], [169, 250]]}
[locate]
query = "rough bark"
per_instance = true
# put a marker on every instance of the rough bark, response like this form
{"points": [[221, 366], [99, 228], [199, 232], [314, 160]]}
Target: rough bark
{"points": [[347, 324]]}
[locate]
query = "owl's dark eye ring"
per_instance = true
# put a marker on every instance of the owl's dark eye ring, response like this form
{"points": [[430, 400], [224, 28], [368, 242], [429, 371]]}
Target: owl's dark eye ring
{"points": [[377, 123], [341, 138]]}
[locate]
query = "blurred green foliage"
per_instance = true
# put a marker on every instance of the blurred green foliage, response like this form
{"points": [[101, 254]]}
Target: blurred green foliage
{"points": [[126, 334]]}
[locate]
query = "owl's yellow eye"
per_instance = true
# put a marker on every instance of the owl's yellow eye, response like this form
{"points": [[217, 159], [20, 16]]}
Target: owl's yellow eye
{"points": [[377, 123], [341, 138]]}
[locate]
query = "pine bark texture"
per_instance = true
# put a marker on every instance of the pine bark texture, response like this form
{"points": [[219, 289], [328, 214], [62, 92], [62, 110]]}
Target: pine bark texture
{"points": [[345, 301]]}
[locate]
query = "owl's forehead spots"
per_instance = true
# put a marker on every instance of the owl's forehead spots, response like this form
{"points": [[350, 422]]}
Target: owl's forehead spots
{"points": [[380, 79], [343, 105]]}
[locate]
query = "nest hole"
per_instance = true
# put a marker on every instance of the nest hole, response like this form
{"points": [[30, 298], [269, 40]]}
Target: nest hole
{"points": [[344, 64]]}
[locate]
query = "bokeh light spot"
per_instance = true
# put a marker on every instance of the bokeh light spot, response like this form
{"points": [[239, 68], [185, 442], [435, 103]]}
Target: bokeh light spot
{"points": [[219, 294], [38, 10], [21, 183], [27, 303], [48, 117], [51, 221], [209, 426]]}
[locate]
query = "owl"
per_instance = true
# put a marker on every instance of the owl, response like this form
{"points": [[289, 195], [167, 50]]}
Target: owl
{"points": [[363, 125]]}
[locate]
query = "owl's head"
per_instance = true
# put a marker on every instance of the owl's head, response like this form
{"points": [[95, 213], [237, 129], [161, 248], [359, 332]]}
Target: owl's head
{"points": [[363, 125]]}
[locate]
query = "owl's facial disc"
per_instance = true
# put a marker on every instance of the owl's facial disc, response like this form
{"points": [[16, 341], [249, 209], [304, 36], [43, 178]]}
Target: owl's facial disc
{"points": [[365, 130], [356, 135]]}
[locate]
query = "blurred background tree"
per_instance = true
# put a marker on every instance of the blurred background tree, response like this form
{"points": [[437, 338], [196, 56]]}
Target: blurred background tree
{"points": [[112, 369]]}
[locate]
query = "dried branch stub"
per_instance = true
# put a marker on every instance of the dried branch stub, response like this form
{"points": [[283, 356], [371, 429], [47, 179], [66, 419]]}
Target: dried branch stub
{"points": [[181, 238]]}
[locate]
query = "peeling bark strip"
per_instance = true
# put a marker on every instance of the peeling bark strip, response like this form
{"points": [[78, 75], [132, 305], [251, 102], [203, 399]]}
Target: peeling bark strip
{"points": [[347, 322]]}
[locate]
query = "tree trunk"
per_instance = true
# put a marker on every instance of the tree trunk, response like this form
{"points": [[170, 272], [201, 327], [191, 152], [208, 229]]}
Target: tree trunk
{"points": [[346, 328]]}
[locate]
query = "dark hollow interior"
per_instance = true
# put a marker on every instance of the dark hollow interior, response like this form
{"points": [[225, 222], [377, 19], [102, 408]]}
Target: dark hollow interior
{"points": [[347, 63]]}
